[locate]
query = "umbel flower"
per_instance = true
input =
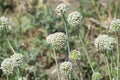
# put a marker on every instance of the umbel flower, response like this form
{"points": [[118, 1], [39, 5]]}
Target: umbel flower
{"points": [[96, 76], [75, 55], [66, 67], [7, 66], [74, 18], [18, 59], [4, 21], [61, 9], [57, 40], [105, 42], [115, 25]]}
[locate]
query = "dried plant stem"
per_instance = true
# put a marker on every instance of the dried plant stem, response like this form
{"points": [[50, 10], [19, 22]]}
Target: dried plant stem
{"points": [[55, 56]]}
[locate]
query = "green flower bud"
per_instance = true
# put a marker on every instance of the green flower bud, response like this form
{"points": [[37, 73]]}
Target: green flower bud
{"points": [[96, 76], [75, 55]]}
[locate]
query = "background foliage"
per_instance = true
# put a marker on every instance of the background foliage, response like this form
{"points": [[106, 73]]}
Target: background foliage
{"points": [[32, 20]]}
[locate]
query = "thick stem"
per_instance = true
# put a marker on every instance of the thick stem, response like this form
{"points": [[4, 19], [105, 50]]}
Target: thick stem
{"points": [[84, 48], [67, 77], [55, 56]]}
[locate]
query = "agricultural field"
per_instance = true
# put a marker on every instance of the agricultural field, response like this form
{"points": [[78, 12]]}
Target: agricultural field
{"points": [[59, 40]]}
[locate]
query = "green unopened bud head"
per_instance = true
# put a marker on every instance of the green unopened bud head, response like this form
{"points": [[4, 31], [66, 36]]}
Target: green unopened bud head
{"points": [[75, 55], [115, 25], [96, 76]]}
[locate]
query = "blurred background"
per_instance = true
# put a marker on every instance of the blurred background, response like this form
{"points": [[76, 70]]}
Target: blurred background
{"points": [[32, 20]]}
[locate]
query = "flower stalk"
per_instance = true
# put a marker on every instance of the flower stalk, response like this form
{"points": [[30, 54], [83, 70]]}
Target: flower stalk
{"points": [[55, 57], [67, 34]]}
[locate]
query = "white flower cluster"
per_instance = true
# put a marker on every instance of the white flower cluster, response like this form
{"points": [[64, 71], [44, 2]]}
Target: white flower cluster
{"points": [[66, 67], [18, 58], [9, 64], [57, 40], [75, 55], [74, 18], [96, 76], [105, 42], [115, 25], [4, 21], [61, 9]]}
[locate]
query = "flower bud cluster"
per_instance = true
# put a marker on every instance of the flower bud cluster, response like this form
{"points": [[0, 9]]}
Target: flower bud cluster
{"points": [[57, 40], [105, 42], [8, 65], [75, 55], [66, 67]]}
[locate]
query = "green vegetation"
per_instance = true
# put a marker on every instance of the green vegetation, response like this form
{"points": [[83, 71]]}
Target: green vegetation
{"points": [[32, 21]]}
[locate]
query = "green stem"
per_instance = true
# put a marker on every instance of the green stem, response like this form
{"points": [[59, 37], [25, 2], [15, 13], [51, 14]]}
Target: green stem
{"points": [[86, 53], [70, 76], [118, 58], [108, 67], [67, 77], [79, 70], [2, 58], [11, 46], [111, 64], [7, 77], [18, 72], [2, 35], [55, 56], [75, 73], [67, 34], [6, 32], [34, 75]]}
